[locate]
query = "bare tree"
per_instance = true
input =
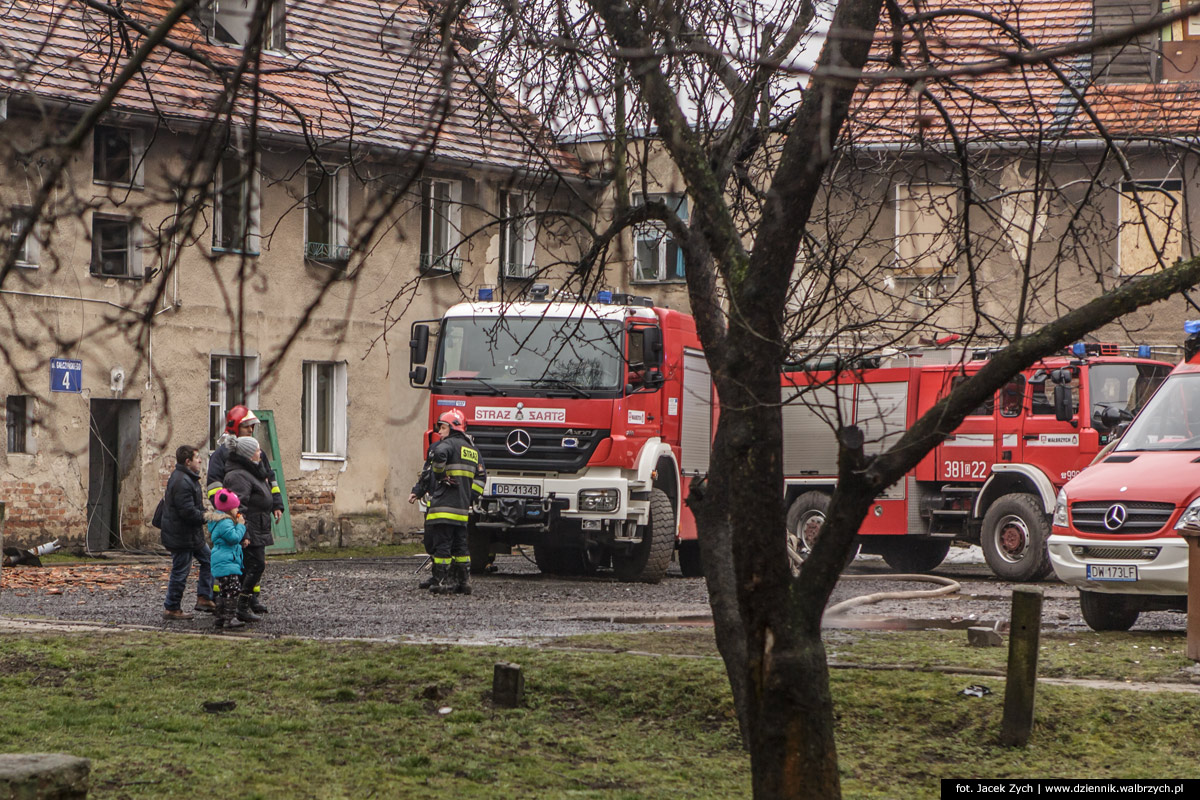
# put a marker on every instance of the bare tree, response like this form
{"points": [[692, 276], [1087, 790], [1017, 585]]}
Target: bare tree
{"points": [[789, 173]]}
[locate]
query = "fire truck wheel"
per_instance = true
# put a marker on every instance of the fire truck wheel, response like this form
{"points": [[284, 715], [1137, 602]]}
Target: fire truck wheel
{"points": [[480, 550], [1107, 612], [648, 560], [804, 520], [913, 555], [1015, 530], [689, 559]]}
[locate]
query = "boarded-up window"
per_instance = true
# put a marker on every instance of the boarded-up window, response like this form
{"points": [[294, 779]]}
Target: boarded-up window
{"points": [[926, 229], [1151, 235]]}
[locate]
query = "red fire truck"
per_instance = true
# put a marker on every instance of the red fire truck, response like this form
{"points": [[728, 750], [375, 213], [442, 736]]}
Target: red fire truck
{"points": [[592, 419], [992, 482], [1116, 525]]}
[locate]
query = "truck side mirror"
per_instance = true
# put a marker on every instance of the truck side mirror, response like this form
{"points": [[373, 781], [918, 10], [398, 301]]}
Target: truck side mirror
{"points": [[418, 349], [1064, 410], [418, 345], [652, 348]]}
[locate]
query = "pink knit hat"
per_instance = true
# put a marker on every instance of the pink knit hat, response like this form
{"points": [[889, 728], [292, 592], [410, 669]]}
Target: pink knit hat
{"points": [[225, 500]]}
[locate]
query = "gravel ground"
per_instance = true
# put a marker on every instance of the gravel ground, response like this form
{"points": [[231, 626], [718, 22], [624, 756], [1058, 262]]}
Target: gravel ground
{"points": [[378, 599]]}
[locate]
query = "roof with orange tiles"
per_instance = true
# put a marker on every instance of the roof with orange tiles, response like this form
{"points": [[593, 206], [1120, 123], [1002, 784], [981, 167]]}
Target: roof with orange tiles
{"points": [[362, 72], [1014, 103]]}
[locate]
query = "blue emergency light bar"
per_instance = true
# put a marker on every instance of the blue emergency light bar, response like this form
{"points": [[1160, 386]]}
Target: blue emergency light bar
{"points": [[1079, 349], [485, 295], [604, 296], [1144, 351]]}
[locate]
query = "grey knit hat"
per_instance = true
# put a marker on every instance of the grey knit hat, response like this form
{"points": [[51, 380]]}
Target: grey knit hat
{"points": [[246, 447]]}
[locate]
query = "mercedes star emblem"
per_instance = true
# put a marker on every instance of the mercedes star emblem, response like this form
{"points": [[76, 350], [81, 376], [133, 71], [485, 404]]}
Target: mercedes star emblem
{"points": [[518, 443], [1114, 518]]}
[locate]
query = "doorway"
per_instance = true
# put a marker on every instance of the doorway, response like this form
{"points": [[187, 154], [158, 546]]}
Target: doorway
{"points": [[113, 438]]}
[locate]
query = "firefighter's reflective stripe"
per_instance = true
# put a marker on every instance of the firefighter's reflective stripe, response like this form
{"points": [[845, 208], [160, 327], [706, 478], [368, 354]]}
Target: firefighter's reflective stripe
{"points": [[437, 560], [216, 487], [443, 512], [274, 488], [460, 472], [477, 487], [461, 559], [467, 454]]}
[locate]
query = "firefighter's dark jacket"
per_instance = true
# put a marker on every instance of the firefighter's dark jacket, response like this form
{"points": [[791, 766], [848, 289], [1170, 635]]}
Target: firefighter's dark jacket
{"points": [[453, 477]]}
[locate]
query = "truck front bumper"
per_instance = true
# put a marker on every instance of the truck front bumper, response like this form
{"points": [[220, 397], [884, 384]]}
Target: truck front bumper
{"points": [[1161, 563]]}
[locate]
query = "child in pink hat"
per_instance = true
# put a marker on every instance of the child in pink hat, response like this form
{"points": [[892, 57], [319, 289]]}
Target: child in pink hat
{"points": [[227, 528]]}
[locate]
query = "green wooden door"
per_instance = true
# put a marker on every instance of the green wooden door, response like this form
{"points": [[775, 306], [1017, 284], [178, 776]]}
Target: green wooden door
{"points": [[285, 541]]}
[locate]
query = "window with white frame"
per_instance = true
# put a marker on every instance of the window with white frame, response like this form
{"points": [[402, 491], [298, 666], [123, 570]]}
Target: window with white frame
{"points": [[117, 155], [657, 256], [230, 22], [228, 379], [236, 205], [18, 223], [441, 226], [1151, 233], [323, 409], [116, 246], [327, 216], [927, 221], [518, 235], [18, 422]]}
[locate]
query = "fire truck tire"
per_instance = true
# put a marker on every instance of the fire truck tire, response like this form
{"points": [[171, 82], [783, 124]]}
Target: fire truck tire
{"points": [[1107, 612], [1015, 530], [805, 517], [479, 547], [648, 561], [689, 559], [913, 555]]}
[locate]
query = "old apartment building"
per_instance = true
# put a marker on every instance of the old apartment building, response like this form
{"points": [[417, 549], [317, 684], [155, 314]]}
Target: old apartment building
{"points": [[164, 274]]}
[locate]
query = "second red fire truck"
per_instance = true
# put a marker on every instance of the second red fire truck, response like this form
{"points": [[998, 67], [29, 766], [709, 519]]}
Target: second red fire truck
{"points": [[992, 482]]}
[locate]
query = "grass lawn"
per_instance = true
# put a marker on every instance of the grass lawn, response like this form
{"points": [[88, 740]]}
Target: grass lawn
{"points": [[359, 720]]}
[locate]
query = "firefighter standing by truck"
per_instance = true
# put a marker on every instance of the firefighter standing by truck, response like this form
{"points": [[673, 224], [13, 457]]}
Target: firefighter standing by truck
{"points": [[452, 478]]}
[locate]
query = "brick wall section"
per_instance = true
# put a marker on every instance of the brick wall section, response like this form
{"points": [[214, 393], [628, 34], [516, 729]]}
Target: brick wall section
{"points": [[312, 492], [39, 512]]}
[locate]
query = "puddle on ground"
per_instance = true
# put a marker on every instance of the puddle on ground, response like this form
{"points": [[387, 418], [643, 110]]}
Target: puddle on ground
{"points": [[864, 623], [695, 620]]}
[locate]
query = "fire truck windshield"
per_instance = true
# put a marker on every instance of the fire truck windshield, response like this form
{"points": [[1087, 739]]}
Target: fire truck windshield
{"points": [[1124, 386], [530, 355], [1171, 420]]}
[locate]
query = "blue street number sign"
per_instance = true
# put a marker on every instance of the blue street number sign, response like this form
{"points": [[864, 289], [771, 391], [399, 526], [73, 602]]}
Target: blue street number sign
{"points": [[66, 375]]}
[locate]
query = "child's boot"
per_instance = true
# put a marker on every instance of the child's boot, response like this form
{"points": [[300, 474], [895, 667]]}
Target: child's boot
{"points": [[244, 612]]}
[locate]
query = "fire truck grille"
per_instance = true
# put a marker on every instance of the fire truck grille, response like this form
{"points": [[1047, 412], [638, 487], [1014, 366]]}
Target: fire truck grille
{"points": [[541, 449], [1139, 517], [1121, 553]]}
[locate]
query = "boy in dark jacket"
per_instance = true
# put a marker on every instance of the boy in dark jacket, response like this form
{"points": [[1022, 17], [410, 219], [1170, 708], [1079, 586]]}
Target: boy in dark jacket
{"points": [[183, 534]]}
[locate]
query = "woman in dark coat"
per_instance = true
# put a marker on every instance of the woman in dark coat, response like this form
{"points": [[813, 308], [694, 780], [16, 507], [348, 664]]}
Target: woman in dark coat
{"points": [[246, 477]]}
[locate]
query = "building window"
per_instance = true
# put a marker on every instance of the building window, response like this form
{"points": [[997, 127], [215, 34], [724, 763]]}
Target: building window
{"points": [[230, 21], [235, 216], [228, 378], [1150, 236], [17, 223], [116, 247], [518, 235], [441, 230], [117, 156], [323, 409], [927, 218], [658, 257], [17, 421], [327, 217]]}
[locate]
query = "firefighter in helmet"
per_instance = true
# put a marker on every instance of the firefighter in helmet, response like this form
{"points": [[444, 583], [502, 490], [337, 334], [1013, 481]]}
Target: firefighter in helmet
{"points": [[240, 421], [453, 478]]}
